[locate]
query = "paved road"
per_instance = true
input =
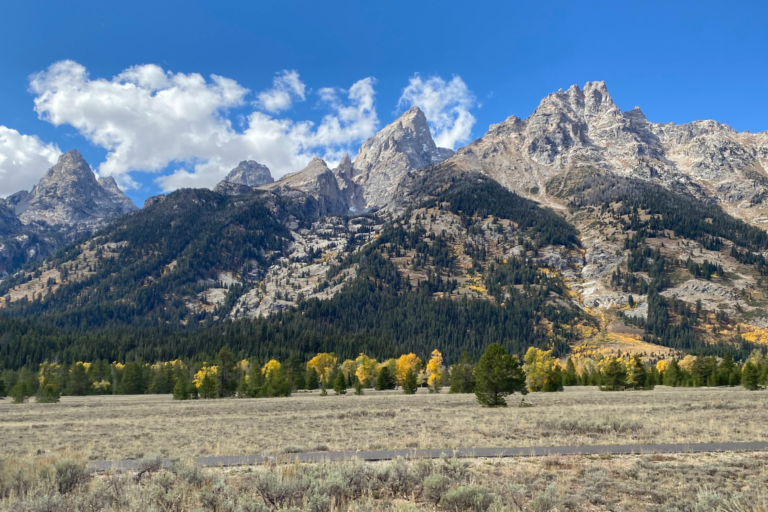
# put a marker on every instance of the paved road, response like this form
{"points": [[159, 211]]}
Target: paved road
{"points": [[535, 451]]}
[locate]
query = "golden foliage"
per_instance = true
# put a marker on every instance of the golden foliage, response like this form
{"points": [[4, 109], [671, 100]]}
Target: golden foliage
{"points": [[205, 371], [366, 366], [271, 368], [324, 364], [405, 363], [435, 369]]}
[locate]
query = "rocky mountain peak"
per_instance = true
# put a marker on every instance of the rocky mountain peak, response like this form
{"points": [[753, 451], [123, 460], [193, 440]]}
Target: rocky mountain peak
{"points": [[250, 173], [400, 147], [109, 184], [318, 181], [70, 194]]}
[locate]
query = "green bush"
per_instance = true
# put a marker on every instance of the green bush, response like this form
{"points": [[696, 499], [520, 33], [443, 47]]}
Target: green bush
{"points": [[472, 498], [70, 475], [434, 487]]}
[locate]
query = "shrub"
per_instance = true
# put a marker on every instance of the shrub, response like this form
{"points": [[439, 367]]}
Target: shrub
{"points": [[434, 488], [70, 475], [280, 492], [467, 498]]}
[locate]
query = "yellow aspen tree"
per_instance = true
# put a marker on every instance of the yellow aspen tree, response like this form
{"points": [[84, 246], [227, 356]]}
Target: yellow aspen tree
{"points": [[324, 364], [205, 371], [366, 366], [348, 368], [405, 363], [271, 368], [435, 370]]}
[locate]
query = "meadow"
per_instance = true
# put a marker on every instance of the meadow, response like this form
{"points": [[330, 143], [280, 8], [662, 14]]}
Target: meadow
{"points": [[113, 427]]}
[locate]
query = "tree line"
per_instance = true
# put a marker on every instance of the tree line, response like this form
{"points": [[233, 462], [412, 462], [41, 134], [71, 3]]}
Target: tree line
{"points": [[494, 376]]}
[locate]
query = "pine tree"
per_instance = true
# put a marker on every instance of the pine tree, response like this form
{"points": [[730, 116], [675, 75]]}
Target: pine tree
{"points": [[340, 384], [2, 389], [636, 374], [48, 393], [614, 376], [20, 393], [462, 379], [310, 380], [750, 376], [208, 386], [570, 378], [385, 379], [672, 376], [497, 375], [410, 382], [226, 382], [255, 379], [180, 391], [358, 386]]}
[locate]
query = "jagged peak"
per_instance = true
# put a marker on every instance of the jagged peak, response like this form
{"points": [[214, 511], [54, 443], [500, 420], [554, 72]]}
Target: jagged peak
{"points": [[71, 163], [250, 173]]}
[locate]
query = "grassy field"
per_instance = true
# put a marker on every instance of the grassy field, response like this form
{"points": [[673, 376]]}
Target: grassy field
{"points": [[665, 483], [111, 427]]}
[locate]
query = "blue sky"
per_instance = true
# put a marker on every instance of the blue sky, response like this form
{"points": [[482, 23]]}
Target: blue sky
{"points": [[347, 63]]}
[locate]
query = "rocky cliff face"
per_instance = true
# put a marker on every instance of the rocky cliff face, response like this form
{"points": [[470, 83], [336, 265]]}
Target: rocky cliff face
{"points": [[117, 196], [384, 159], [251, 173], [69, 194], [318, 181]]}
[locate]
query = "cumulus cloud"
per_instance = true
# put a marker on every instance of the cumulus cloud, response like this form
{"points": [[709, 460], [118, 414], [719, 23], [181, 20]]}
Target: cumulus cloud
{"points": [[148, 118], [286, 87], [23, 160], [447, 107]]}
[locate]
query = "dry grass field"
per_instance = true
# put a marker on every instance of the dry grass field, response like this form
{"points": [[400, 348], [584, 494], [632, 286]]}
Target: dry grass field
{"points": [[665, 483], [111, 427]]}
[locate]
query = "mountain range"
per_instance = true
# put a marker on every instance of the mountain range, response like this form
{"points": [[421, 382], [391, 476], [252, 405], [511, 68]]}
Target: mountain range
{"points": [[580, 227]]}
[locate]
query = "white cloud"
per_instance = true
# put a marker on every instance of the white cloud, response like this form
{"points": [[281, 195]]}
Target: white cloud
{"points": [[446, 105], [148, 118], [23, 160], [286, 87]]}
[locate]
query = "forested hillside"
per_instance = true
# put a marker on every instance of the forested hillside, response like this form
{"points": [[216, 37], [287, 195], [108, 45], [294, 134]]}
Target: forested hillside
{"points": [[414, 290]]}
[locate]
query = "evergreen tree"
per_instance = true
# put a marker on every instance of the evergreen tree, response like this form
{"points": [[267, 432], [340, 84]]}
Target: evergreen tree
{"points": [[133, 379], [78, 382], [410, 383], [672, 375], [750, 376], [2, 389], [570, 378], [20, 393], [385, 379], [614, 376], [358, 386], [497, 375], [208, 386], [255, 380], [311, 381], [226, 382], [462, 379], [636, 374], [180, 390], [340, 383]]}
